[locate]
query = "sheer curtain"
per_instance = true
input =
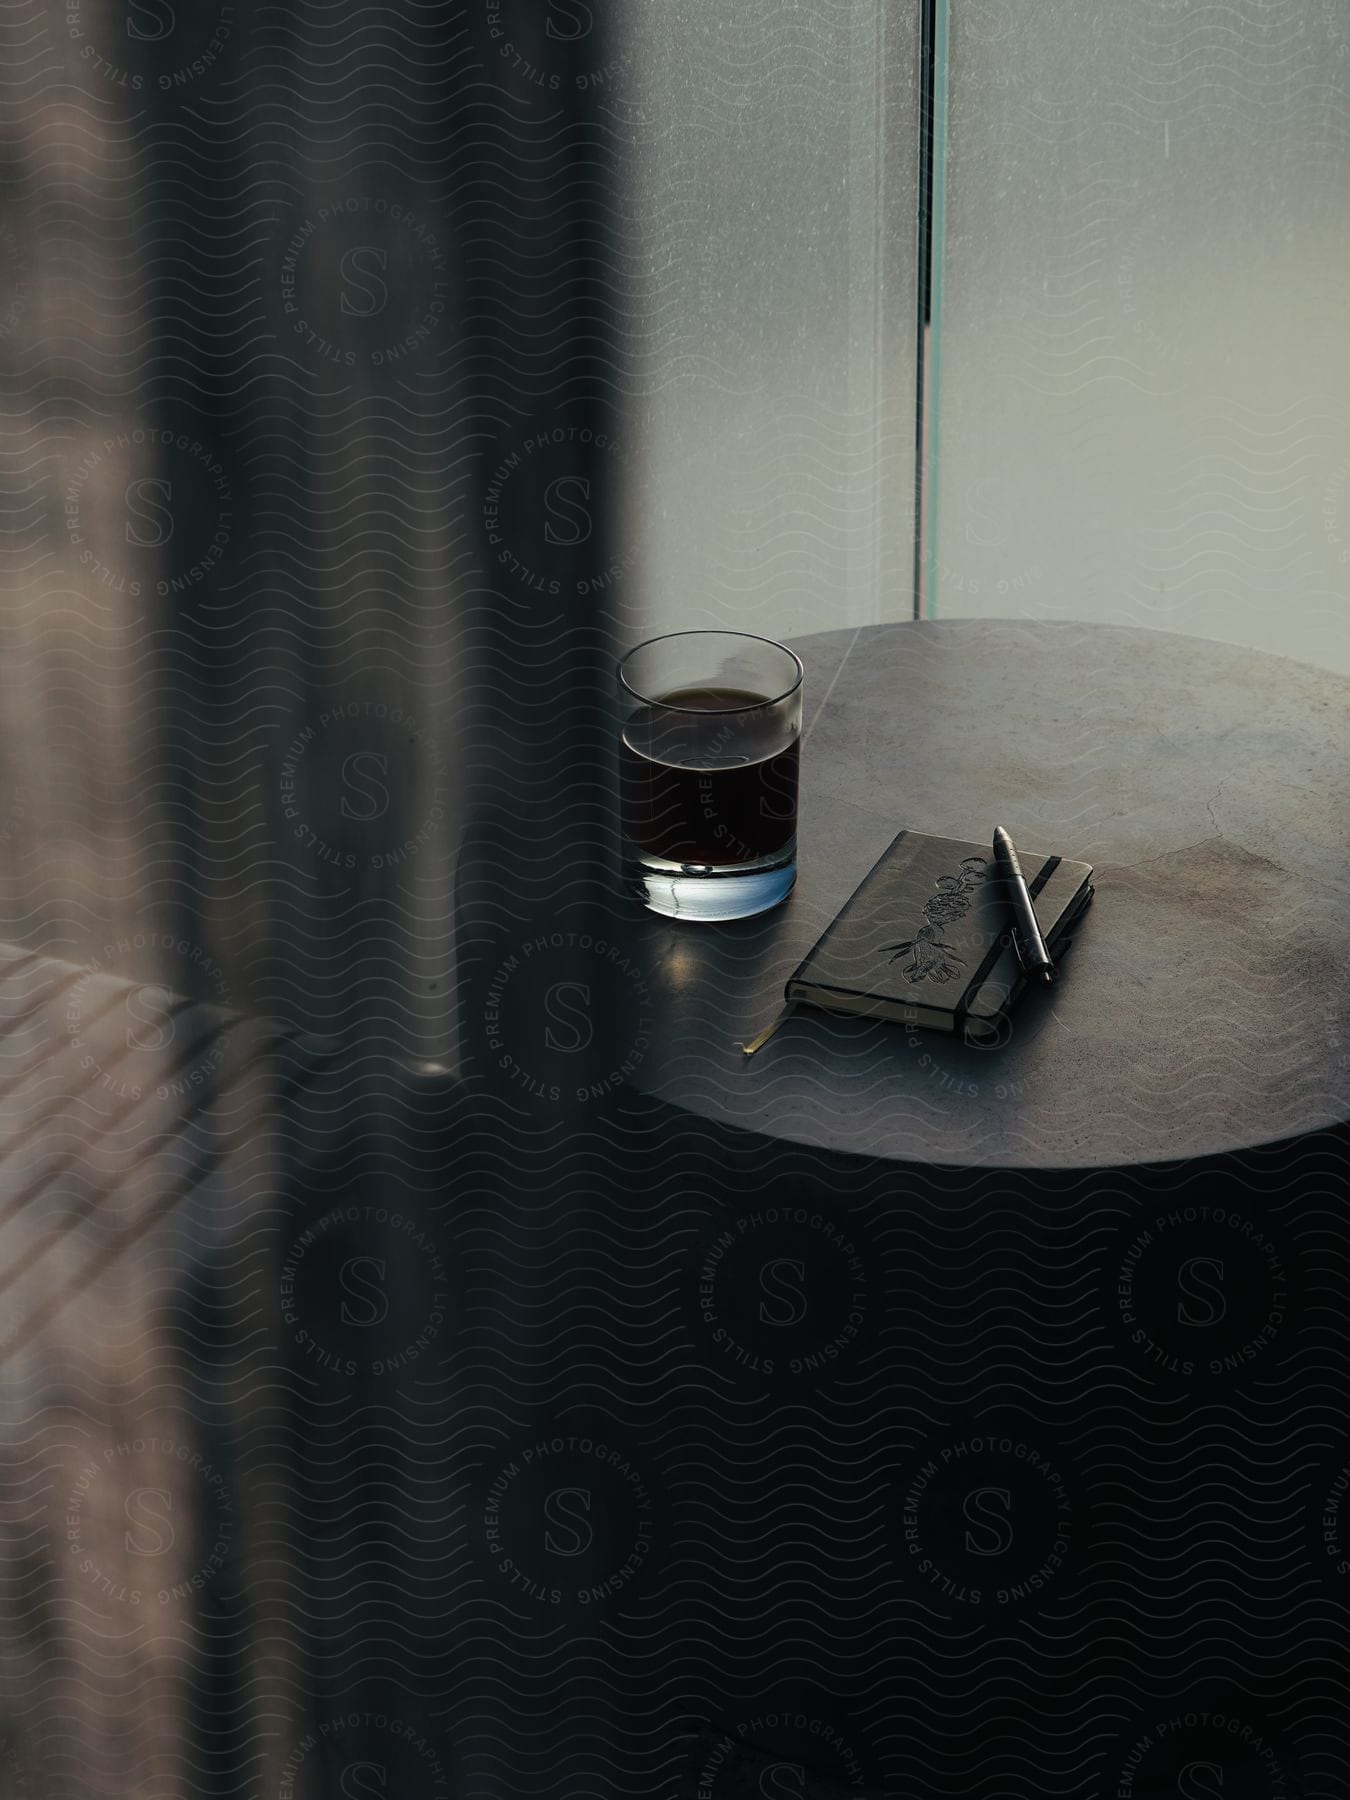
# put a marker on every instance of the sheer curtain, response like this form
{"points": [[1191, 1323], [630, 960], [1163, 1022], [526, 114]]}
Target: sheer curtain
{"points": [[773, 187]]}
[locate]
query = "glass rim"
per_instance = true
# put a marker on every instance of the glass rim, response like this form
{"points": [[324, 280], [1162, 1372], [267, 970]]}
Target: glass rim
{"points": [[750, 637]]}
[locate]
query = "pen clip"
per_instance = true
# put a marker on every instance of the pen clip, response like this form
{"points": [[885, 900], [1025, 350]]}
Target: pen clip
{"points": [[1015, 938]]}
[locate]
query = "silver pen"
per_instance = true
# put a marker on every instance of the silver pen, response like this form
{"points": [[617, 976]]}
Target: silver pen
{"points": [[1031, 948]]}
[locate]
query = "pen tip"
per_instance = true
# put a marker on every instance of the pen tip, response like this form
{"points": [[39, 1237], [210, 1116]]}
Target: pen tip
{"points": [[1047, 977]]}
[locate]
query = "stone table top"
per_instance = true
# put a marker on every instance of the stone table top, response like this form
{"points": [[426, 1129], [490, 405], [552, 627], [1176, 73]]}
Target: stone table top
{"points": [[1205, 1004]]}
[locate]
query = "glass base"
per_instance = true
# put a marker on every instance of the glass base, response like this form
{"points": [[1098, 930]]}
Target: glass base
{"points": [[711, 896]]}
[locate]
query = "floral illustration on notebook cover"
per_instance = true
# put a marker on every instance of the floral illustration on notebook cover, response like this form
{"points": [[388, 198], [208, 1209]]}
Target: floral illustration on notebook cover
{"points": [[929, 958]]}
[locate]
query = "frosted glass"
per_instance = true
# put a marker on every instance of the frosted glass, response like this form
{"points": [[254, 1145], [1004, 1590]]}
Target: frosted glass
{"points": [[773, 153], [1144, 406]]}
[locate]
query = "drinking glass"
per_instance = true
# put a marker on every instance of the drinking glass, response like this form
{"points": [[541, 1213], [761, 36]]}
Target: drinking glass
{"points": [[711, 749]]}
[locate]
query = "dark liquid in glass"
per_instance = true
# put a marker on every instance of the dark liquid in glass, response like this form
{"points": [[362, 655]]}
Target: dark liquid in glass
{"points": [[706, 808]]}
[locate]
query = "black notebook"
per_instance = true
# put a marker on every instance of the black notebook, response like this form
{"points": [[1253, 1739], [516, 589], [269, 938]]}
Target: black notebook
{"points": [[926, 938]]}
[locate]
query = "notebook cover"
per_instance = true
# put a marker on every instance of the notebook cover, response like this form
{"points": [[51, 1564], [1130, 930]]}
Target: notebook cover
{"points": [[925, 937]]}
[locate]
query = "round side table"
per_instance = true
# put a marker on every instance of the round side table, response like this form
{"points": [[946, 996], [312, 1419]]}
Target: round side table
{"points": [[1204, 1006]]}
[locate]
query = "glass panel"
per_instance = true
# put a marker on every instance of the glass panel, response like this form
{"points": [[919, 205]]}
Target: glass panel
{"points": [[1144, 408], [774, 186]]}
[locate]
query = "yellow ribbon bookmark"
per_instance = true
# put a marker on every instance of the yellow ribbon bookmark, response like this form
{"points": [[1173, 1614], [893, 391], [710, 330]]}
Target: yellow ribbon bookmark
{"points": [[759, 1042]]}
